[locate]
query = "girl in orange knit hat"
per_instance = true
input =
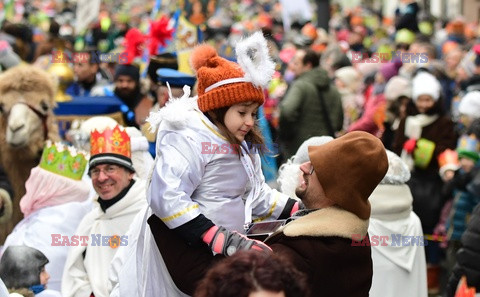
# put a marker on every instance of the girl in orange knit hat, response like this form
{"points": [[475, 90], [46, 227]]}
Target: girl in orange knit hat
{"points": [[207, 186]]}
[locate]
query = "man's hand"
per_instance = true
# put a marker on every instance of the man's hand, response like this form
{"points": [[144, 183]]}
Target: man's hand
{"points": [[142, 110], [225, 242]]}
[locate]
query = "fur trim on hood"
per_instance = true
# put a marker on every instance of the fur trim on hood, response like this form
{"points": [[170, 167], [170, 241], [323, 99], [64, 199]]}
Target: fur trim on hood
{"points": [[175, 112], [331, 221]]}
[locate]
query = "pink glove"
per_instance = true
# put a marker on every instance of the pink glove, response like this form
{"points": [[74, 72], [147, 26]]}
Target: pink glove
{"points": [[223, 241], [295, 208]]}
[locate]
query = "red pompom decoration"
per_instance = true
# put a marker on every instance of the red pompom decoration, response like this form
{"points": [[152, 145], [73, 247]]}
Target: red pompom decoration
{"points": [[134, 43], [159, 34]]}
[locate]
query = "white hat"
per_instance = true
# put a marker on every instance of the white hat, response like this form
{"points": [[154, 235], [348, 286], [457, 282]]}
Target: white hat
{"points": [[425, 83], [289, 172], [396, 87], [470, 104], [141, 158], [398, 172], [301, 156], [350, 77], [98, 123]]}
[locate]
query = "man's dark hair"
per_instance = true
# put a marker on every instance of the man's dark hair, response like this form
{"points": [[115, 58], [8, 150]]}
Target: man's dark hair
{"points": [[311, 58]]}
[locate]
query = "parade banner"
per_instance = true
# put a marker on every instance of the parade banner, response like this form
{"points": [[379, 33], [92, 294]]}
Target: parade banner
{"points": [[186, 39], [87, 12], [196, 12]]}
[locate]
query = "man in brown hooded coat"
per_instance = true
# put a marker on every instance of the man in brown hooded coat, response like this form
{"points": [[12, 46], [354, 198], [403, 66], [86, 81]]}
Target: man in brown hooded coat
{"points": [[322, 240]]}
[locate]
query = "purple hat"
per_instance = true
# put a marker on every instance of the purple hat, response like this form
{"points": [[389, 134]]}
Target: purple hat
{"points": [[390, 69]]}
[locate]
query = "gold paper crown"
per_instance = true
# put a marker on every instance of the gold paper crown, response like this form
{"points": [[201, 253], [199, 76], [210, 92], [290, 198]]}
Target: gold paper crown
{"points": [[110, 146], [468, 147], [114, 141], [63, 160]]}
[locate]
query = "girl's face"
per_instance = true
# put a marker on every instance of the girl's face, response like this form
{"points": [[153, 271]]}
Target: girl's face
{"points": [[240, 118], [44, 277], [424, 103]]}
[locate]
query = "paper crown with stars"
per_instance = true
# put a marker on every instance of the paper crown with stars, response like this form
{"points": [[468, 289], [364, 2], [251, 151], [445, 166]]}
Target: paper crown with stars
{"points": [[468, 147], [63, 160], [112, 146]]}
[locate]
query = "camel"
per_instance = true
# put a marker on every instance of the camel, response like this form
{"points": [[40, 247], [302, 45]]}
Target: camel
{"points": [[27, 100]]}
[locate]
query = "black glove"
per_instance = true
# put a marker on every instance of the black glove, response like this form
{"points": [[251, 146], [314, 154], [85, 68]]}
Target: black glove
{"points": [[223, 241]]}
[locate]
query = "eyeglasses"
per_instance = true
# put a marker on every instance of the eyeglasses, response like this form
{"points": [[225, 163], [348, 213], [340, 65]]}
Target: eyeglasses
{"points": [[311, 170], [108, 170]]}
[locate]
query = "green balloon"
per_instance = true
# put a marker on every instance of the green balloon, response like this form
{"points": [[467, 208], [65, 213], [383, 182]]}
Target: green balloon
{"points": [[386, 51], [103, 45], [105, 24], [425, 28], [405, 36], [79, 44], [367, 42]]}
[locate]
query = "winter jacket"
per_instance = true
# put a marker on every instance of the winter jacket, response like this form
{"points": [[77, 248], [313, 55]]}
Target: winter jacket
{"points": [[468, 257], [462, 207], [406, 18], [372, 118], [301, 115], [441, 132], [321, 245]]}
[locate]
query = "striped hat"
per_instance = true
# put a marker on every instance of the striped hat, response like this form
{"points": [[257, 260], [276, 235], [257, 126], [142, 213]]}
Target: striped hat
{"points": [[112, 146]]}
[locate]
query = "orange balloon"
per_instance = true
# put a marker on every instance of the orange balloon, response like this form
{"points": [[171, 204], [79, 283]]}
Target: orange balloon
{"points": [[310, 31]]}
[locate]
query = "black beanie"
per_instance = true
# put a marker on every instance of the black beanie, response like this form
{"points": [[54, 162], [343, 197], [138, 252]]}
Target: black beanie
{"points": [[129, 70], [165, 60]]}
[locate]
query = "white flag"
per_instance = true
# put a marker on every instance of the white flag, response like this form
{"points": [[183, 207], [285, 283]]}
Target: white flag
{"points": [[299, 10], [87, 12]]}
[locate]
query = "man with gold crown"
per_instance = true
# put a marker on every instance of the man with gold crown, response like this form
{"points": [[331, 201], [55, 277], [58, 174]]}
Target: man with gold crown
{"points": [[120, 198]]}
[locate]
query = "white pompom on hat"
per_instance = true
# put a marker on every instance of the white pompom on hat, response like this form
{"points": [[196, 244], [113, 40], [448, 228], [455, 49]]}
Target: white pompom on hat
{"points": [[425, 83], [470, 105]]}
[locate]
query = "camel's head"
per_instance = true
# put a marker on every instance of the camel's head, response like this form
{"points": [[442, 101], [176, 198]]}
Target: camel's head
{"points": [[26, 105]]}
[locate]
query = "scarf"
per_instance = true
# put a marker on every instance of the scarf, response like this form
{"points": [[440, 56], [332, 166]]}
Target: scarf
{"points": [[45, 188]]}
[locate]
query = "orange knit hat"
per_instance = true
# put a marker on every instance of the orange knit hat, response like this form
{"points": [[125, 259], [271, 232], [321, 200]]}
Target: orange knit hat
{"points": [[223, 83]]}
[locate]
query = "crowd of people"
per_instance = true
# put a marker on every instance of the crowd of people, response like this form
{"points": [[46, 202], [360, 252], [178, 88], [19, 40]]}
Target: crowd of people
{"points": [[281, 161]]}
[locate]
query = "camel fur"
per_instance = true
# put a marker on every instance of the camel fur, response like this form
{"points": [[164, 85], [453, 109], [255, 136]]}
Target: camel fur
{"points": [[23, 89]]}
